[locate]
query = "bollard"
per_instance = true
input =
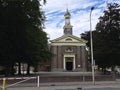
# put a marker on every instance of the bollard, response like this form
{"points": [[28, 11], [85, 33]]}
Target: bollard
{"points": [[3, 83], [38, 81]]}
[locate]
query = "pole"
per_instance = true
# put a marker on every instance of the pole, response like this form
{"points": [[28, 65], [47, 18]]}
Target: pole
{"points": [[38, 81], [91, 44], [3, 83]]}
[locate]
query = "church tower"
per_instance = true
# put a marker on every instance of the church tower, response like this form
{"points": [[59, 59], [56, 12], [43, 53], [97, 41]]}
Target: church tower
{"points": [[67, 27]]}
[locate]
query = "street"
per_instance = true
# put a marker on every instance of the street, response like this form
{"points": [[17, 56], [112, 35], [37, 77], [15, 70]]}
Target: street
{"points": [[102, 89], [31, 88], [71, 86]]}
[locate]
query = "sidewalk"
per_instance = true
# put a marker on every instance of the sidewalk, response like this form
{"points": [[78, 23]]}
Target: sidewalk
{"points": [[71, 86]]}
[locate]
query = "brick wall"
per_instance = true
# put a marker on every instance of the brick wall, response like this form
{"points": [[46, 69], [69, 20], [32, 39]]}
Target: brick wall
{"points": [[76, 78]]}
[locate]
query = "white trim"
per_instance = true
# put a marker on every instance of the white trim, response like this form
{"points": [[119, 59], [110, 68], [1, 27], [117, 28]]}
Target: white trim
{"points": [[64, 64], [68, 44]]}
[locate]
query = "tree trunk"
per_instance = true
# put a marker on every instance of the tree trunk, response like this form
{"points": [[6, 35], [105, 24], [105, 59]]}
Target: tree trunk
{"points": [[12, 70], [19, 68], [28, 69]]}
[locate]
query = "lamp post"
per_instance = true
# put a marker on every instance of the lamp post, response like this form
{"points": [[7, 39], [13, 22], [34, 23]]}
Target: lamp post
{"points": [[91, 45]]}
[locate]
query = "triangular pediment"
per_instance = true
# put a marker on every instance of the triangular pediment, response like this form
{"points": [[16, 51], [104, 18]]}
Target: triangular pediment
{"points": [[69, 39]]}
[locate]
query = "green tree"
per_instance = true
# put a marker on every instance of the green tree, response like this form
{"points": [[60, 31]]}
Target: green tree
{"points": [[11, 30], [108, 32], [21, 33], [106, 37]]}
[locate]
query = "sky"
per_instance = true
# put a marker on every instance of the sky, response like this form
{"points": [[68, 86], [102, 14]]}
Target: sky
{"points": [[80, 15]]}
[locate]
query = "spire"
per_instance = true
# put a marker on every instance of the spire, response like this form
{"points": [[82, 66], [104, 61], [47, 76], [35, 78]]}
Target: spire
{"points": [[67, 27], [67, 14]]}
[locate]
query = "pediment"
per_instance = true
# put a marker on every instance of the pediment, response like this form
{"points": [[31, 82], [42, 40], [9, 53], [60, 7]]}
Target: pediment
{"points": [[69, 39]]}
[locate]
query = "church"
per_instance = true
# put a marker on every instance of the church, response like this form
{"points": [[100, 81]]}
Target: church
{"points": [[69, 51]]}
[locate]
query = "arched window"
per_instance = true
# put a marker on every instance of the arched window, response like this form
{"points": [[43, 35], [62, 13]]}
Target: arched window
{"points": [[68, 39]]}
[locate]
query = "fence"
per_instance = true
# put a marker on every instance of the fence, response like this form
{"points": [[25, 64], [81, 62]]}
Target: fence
{"points": [[23, 79]]}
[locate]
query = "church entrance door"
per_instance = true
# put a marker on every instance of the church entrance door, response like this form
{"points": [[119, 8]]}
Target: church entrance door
{"points": [[69, 66], [69, 63]]}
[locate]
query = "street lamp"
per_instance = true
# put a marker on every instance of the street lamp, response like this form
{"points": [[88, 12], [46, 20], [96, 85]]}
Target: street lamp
{"points": [[91, 45]]}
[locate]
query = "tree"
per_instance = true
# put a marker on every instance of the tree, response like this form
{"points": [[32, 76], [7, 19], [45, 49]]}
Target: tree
{"points": [[108, 30], [21, 33], [106, 37]]}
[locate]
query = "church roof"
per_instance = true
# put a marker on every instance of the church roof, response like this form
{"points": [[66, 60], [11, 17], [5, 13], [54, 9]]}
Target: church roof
{"points": [[68, 38]]}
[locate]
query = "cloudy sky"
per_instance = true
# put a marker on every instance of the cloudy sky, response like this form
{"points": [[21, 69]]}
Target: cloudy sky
{"points": [[80, 12]]}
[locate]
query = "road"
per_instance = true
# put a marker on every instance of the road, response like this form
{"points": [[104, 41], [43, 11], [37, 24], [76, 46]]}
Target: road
{"points": [[103, 89], [70, 86], [26, 88]]}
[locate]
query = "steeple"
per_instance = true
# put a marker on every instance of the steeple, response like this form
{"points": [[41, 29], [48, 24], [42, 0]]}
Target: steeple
{"points": [[67, 27]]}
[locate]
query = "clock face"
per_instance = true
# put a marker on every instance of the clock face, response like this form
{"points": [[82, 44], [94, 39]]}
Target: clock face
{"points": [[67, 31]]}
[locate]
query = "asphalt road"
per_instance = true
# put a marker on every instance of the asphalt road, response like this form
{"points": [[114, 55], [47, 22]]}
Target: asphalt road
{"points": [[92, 89], [25, 88], [111, 86], [102, 89]]}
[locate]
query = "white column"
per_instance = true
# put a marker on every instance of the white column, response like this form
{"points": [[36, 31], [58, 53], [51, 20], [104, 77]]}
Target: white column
{"points": [[74, 62], [64, 66]]}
